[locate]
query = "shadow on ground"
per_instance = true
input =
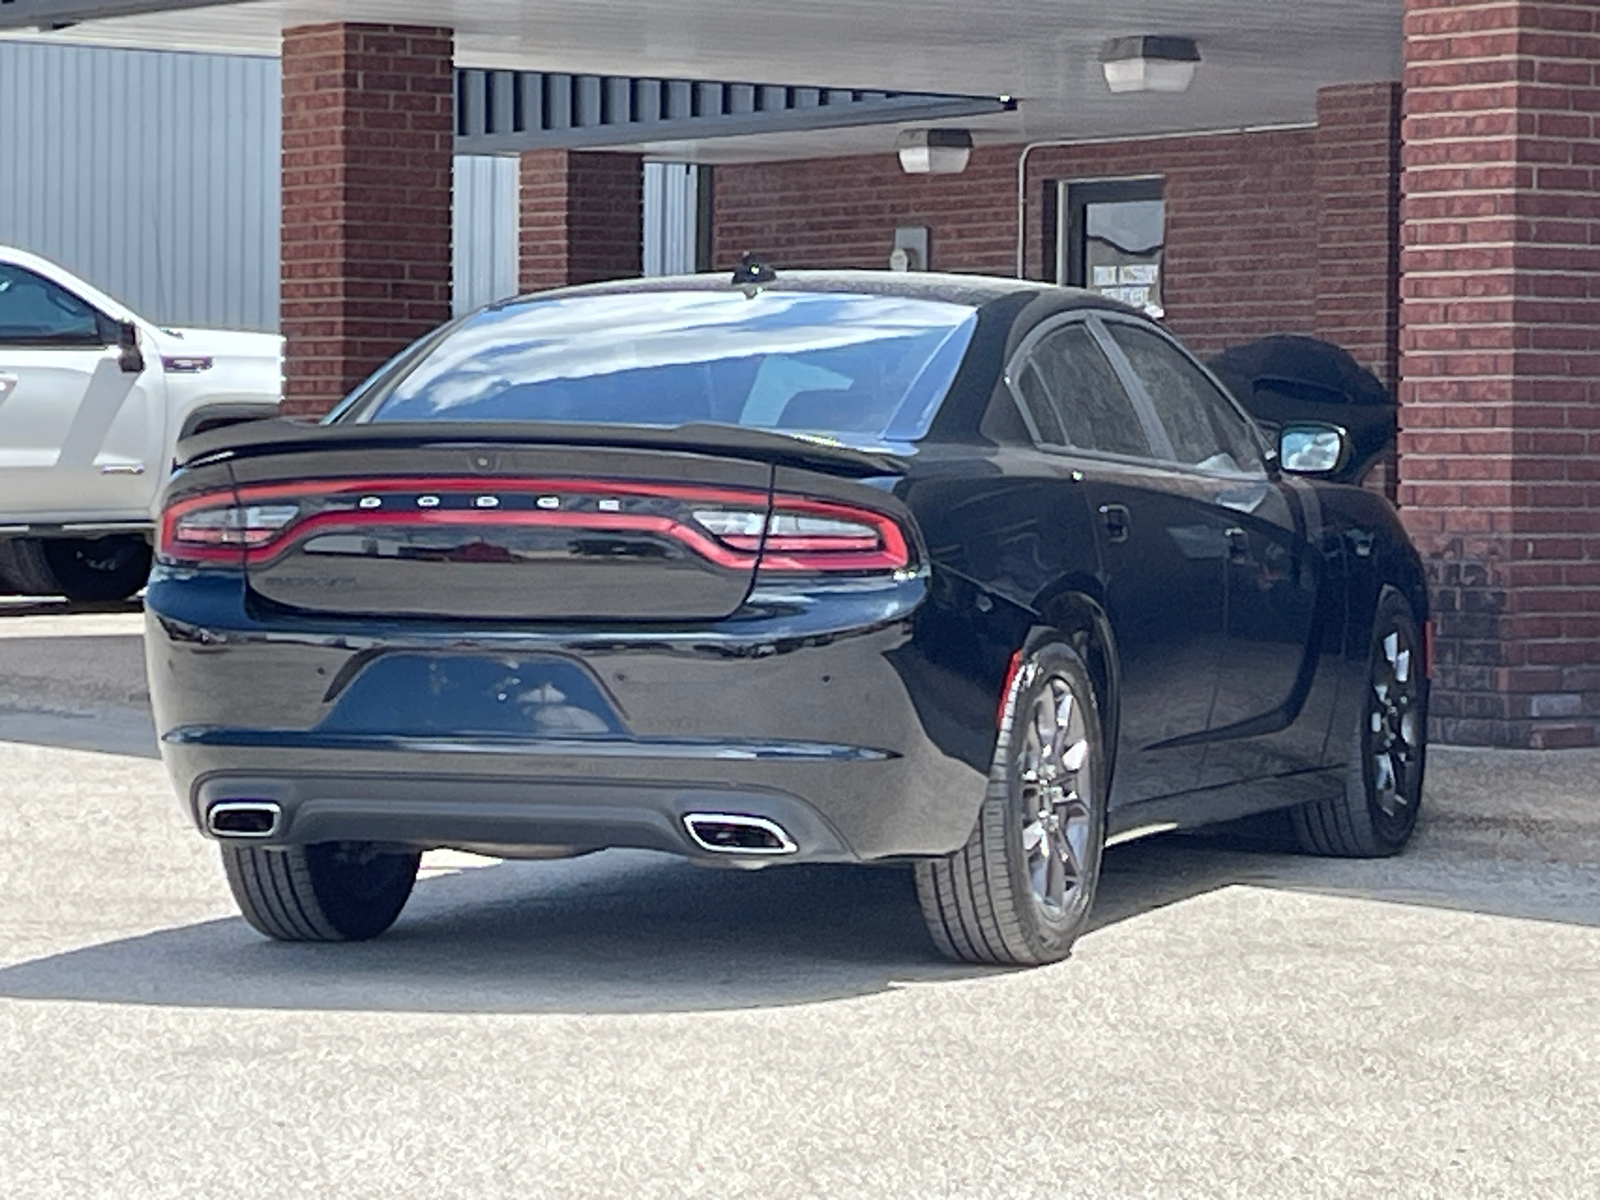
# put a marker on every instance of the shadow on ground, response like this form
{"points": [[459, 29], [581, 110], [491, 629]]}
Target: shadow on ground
{"points": [[76, 692], [635, 932], [54, 606]]}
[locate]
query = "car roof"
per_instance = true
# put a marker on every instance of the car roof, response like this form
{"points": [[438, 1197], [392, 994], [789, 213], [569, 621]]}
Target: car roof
{"points": [[972, 290]]}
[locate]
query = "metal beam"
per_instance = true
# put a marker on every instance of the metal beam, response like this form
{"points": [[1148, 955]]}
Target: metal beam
{"points": [[59, 14], [506, 112]]}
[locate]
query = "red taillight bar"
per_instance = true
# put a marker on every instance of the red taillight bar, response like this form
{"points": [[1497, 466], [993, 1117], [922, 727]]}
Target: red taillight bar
{"points": [[887, 550]]}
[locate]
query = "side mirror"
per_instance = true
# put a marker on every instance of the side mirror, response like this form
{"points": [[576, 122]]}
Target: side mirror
{"points": [[1311, 448], [130, 360]]}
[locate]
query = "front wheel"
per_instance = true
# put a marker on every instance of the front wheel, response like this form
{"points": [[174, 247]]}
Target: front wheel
{"points": [[1377, 811], [1020, 890], [329, 892]]}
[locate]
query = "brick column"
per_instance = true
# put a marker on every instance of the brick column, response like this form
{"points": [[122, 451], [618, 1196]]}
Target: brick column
{"points": [[1358, 223], [368, 142], [1500, 361], [582, 218]]}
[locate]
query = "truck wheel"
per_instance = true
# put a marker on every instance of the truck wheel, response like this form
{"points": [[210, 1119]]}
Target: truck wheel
{"points": [[1374, 815], [23, 568], [1020, 890], [329, 892], [90, 569]]}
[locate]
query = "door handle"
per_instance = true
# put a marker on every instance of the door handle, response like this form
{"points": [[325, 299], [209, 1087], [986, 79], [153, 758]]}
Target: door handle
{"points": [[7, 382], [1117, 520], [1238, 545]]}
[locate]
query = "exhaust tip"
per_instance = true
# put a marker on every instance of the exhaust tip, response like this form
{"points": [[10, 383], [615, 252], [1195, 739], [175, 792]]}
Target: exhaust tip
{"points": [[731, 833], [243, 819]]}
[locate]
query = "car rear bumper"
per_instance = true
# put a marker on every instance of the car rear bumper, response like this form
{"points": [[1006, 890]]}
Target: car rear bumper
{"points": [[510, 816], [832, 721]]}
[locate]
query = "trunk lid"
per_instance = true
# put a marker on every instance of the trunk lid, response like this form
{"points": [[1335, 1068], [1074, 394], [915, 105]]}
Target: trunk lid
{"points": [[491, 532]]}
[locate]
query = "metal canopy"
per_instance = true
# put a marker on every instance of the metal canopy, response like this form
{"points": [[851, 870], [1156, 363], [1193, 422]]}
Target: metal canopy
{"points": [[61, 14], [505, 112]]}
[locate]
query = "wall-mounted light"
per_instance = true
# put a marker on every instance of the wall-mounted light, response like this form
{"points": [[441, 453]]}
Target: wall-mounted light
{"points": [[1149, 63], [934, 151]]}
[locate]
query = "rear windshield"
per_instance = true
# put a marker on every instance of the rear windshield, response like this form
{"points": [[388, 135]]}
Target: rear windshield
{"points": [[855, 367]]}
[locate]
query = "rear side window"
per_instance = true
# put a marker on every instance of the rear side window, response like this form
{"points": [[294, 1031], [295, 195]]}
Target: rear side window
{"points": [[36, 312], [1205, 429], [1093, 406], [861, 368], [1040, 408]]}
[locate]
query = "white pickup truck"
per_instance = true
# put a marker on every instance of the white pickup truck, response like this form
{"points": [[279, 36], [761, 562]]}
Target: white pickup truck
{"points": [[93, 400]]}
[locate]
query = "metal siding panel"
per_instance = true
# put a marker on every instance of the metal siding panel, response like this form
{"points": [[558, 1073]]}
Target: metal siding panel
{"points": [[503, 101], [680, 100], [586, 101], [647, 100], [617, 104], [152, 174], [484, 231], [472, 115], [531, 85], [558, 101], [651, 260], [670, 210]]}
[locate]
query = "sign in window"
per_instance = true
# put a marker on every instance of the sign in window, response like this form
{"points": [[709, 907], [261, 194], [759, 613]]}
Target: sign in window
{"points": [[1111, 239]]}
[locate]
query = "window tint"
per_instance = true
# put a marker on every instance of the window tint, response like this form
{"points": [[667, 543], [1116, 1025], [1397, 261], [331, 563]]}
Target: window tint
{"points": [[1204, 428], [36, 312], [1041, 410], [1095, 410], [860, 367]]}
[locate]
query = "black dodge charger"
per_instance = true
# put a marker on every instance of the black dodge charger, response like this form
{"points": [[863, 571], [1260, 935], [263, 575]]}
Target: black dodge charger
{"points": [[976, 574]]}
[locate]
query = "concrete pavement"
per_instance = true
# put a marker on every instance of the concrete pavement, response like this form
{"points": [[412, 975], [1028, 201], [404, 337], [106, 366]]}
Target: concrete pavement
{"points": [[1240, 1023]]}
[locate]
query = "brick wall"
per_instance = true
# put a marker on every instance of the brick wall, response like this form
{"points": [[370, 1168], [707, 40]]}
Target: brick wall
{"points": [[1358, 221], [582, 218], [368, 139], [1241, 257], [1500, 369]]}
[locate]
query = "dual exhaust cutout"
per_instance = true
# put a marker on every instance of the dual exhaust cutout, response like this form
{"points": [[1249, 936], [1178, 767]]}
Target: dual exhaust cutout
{"points": [[718, 833], [243, 819], [730, 833]]}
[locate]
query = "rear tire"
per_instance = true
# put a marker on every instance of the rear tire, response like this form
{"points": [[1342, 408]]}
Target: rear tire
{"points": [[98, 569], [23, 568], [330, 892], [1377, 811], [1019, 892]]}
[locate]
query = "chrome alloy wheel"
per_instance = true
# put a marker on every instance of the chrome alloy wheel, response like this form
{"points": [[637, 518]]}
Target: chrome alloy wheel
{"points": [[1056, 777], [1395, 723]]}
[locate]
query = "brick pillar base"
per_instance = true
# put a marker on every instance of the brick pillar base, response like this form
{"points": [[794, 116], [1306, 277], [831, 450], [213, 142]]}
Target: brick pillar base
{"points": [[1500, 361], [582, 218], [368, 142]]}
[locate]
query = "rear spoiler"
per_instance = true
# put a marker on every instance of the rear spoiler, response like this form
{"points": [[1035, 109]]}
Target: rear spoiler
{"points": [[730, 441]]}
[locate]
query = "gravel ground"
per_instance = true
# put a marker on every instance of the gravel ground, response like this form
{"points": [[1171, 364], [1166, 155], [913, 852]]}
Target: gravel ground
{"points": [[1240, 1023]]}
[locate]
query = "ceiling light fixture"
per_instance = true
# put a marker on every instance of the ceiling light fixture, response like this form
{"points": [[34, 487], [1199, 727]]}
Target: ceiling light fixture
{"points": [[934, 151], [1149, 63]]}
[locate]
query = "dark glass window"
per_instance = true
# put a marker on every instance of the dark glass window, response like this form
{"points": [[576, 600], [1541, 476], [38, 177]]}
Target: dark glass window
{"points": [[1041, 409], [36, 312], [1113, 240], [1205, 429], [859, 367], [1095, 410]]}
